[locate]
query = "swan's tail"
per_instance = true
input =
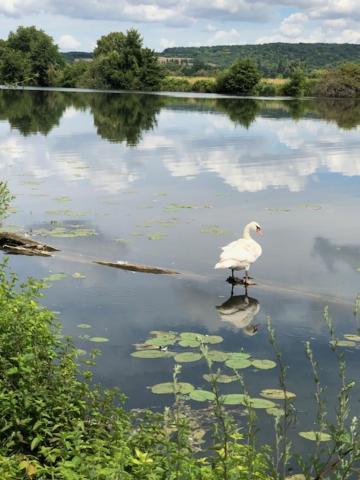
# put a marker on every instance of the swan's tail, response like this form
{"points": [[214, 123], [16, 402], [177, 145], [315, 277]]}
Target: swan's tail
{"points": [[224, 264]]}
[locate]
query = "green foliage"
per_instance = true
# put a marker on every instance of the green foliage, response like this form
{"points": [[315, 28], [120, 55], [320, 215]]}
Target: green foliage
{"points": [[73, 75], [29, 56], [295, 87], [240, 79], [121, 62], [169, 84], [272, 59], [343, 81], [5, 199]]}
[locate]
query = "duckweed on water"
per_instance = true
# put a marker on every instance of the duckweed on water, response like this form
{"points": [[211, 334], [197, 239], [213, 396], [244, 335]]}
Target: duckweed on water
{"points": [[98, 339], [78, 276], [55, 277], [72, 231]]}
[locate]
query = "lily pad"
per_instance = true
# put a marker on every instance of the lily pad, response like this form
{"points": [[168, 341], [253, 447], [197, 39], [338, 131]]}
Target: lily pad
{"points": [[191, 336], [219, 378], [275, 411], [238, 355], [187, 357], [315, 436], [150, 354], [55, 277], [98, 339], [352, 338], [233, 399], [202, 395], [238, 363], [342, 343], [217, 356], [160, 341], [263, 364], [259, 403], [156, 236], [84, 325], [276, 394], [188, 342], [168, 387], [213, 339]]}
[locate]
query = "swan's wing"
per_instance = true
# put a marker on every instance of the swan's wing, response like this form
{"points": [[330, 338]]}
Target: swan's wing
{"points": [[242, 250]]}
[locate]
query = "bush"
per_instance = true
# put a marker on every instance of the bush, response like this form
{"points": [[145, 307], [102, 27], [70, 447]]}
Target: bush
{"points": [[203, 86], [172, 84], [343, 81], [295, 87], [240, 79]]}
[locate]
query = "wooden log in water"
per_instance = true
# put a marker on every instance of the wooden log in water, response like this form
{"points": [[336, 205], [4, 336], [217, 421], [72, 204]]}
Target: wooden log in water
{"points": [[17, 244], [137, 267]]}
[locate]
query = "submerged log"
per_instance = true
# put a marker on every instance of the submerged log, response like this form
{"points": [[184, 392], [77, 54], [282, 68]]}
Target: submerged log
{"points": [[136, 267], [17, 244]]}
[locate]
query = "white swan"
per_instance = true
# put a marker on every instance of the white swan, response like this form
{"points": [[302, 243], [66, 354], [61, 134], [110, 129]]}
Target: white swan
{"points": [[240, 311], [239, 255]]}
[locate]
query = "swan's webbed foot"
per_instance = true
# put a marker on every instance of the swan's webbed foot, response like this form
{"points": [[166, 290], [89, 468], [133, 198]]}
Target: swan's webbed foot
{"points": [[247, 281]]}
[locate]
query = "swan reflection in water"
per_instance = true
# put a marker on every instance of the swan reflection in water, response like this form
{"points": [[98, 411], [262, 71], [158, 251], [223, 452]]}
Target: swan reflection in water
{"points": [[240, 311]]}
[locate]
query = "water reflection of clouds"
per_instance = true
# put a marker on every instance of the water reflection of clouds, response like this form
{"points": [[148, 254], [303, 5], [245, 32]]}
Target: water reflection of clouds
{"points": [[275, 153]]}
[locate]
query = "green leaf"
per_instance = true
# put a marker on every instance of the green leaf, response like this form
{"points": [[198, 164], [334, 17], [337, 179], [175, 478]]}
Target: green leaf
{"points": [[168, 387], [217, 356], [353, 338], [276, 394], [233, 399], [315, 436], [160, 341], [275, 411], [202, 395], [212, 339], [187, 357], [35, 442], [219, 378], [342, 343], [55, 277], [150, 354], [263, 364], [238, 355], [98, 339], [259, 403], [189, 343], [238, 363]]}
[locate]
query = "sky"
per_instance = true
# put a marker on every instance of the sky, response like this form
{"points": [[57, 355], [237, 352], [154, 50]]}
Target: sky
{"points": [[77, 24]]}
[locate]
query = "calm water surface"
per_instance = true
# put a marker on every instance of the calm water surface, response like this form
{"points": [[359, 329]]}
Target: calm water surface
{"points": [[167, 181]]}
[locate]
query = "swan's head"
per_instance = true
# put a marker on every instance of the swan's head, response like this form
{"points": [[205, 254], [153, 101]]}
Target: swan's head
{"points": [[256, 228]]}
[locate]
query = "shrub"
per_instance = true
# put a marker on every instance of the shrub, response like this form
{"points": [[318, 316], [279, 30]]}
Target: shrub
{"points": [[295, 87], [203, 86], [240, 79], [343, 81], [172, 84]]}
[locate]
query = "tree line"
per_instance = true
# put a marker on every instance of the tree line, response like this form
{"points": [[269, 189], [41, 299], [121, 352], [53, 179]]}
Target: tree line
{"points": [[29, 57]]}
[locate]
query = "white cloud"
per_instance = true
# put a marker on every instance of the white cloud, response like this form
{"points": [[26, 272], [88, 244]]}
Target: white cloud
{"points": [[225, 37], [68, 42], [166, 43]]}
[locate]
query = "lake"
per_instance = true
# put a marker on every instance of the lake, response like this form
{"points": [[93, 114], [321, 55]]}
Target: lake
{"points": [[167, 180]]}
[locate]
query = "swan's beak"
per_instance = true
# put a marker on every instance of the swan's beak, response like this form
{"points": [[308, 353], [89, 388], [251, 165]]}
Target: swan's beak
{"points": [[259, 231]]}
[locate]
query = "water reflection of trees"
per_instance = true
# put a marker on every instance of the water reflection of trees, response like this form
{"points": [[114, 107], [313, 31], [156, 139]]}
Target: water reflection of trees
{"points": [[125, 117], [32, 111]]}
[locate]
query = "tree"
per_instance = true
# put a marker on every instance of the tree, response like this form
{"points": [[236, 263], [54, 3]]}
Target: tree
{"points": [[343, 81], [14, 67], [240, 79], [121, 62], [295, 87], [38, 50]]}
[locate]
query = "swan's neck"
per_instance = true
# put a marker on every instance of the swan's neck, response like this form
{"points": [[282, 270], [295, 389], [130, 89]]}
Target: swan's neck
{"points": [[246, 233]]}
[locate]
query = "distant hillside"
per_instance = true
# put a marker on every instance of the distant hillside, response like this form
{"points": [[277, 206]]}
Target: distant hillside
{"points": [[272, 58], [72, 56]]}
